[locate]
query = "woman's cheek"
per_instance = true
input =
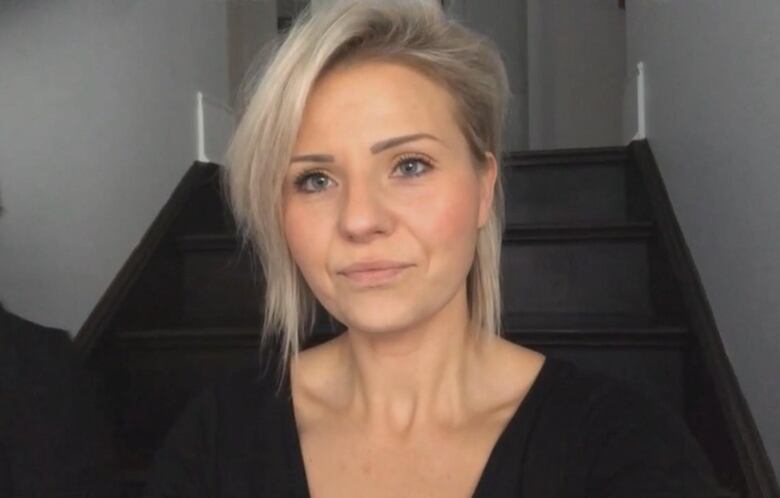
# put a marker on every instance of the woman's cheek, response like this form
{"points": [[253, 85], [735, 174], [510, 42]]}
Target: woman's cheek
{"points": [[302, 235], [444, 232], [446, 216]]}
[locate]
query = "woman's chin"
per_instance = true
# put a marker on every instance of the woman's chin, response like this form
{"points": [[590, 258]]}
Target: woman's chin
{"points": [[378, 326]]}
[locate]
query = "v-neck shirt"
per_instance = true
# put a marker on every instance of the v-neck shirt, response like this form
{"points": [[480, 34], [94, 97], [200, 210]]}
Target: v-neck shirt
{"points": [[576, 434], [483, 489]]}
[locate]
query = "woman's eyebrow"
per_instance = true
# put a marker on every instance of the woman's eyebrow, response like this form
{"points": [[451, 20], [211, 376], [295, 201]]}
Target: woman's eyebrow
{"points": [[392, 142], [375, 149]]}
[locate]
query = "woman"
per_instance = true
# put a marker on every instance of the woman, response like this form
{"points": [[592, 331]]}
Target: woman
{"points": [[365, 172]]}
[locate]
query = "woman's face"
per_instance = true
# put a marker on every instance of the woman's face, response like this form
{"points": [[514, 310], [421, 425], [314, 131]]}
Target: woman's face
{"points": [[381, 175]]}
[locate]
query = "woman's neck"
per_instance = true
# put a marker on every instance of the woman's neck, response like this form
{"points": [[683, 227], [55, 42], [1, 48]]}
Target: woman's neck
{"points": [[400, 381]]}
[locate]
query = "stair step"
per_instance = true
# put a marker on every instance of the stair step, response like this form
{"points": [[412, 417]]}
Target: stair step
{"points": [[174, 338], [670, 337], [569, 157], [219, 283], [577, 272], [564, 186], [218, 241], [593, 330], [611, 229], [585, 321]]}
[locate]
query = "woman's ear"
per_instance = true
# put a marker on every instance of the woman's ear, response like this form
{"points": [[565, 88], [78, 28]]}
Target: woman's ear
{"points": [[487, 179]]}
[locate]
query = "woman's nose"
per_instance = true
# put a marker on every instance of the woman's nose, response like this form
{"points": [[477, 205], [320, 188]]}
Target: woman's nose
{"points": [[363, 213]]}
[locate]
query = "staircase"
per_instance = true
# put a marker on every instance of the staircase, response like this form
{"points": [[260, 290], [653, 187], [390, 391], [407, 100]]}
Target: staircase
{"points": [[588, 275]]}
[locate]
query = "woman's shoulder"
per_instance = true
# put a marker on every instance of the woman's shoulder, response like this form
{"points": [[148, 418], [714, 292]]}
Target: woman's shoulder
{"points": [[222, 436], [620, 436], [588, 393], [599, 405]]}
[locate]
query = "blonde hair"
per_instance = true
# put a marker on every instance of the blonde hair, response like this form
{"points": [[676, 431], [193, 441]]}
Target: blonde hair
{"points": [[414, 32]]}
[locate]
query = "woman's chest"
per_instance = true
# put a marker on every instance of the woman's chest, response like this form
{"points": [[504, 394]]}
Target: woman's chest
{"points": [[344, 466]]}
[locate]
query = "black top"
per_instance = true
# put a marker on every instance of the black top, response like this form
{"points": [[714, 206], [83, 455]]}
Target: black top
{"points": [[54, 441], [577, 434]]}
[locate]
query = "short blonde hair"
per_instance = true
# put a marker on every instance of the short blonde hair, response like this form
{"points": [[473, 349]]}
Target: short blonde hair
{"points": [[413, 32]]}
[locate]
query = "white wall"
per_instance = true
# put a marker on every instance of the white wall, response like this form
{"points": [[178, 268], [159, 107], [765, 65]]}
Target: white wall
{"points": [[576, 73], [98, 126], [713, 76], [251, 26], [503, 21]]}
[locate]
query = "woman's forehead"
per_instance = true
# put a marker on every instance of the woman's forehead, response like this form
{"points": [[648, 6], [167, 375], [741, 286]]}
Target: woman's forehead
{"points": [[375, 101], [391, 83]]}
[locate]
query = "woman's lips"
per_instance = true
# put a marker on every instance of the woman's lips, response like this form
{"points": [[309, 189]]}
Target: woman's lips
{"points": [[374, 278]]}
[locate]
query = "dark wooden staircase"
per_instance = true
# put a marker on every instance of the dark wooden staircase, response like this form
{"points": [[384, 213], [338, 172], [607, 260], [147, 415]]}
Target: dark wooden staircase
{"points": [[594, 270]]}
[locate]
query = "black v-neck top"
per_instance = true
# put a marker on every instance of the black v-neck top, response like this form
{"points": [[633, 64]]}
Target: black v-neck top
{"points": [[577, 434]]}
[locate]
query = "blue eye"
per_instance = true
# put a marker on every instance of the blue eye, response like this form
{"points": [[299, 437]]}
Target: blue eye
{"points": [[302, 181], [404, 162]]}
